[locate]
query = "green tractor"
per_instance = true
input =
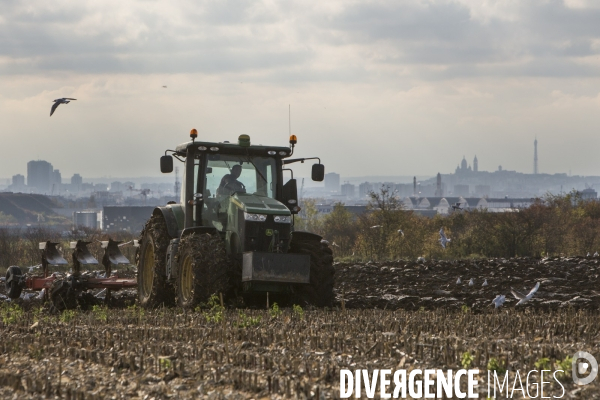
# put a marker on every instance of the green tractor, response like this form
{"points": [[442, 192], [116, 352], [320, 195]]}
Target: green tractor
{"points": [[233, 232]]}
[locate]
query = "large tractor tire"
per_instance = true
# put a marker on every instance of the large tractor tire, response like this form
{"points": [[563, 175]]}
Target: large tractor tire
{"points": [[204, 269], [153, 288], [13, 282], [320, 291], [63, 296]]}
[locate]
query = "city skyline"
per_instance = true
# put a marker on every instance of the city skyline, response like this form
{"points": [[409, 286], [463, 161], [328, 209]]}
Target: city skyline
{"points": [[403, 86]]}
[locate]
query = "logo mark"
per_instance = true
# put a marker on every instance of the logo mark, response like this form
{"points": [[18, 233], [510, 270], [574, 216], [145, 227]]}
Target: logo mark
{"points": [[582, 367]]}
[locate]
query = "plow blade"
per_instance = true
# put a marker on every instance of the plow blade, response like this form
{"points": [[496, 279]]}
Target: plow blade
{"points": [[51, 253], [82, 253], [275, 268], [113, 253]]}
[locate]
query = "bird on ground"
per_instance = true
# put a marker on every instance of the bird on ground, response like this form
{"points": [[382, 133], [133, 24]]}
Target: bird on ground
{"points": [[334, 244], [499, 300], [596, 254], [471, 282], [485, 283], [325, 241], [456, 206], [401, 232], [588, 254], [458, 281], [57, 102], [443, 239], [524, 298], [41, 295]]}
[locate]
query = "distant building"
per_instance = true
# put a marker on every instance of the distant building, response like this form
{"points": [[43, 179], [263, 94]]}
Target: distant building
{"points": [[126, 218], [482, 190], [18, 180], [39, 176], [461, 190], [588, 194], [364, 189], [475, 165], [85, 219], [348, 190], [332, 182], [76, 182]]}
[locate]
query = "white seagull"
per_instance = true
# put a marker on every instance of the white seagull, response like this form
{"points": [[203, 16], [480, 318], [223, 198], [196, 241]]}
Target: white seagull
{"points": [[588, 254], [57, 102], [401, 232], [458, 281], [443, 239], [375, 226], [522, 297], [485, 283], [471, 282], [596, 254], [499, 300]]}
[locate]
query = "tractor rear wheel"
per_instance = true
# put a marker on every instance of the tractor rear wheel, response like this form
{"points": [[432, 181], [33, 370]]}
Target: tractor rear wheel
{"points": [[204, 269], [153, 288], [63, 296], [13, 282], [320, 291]]}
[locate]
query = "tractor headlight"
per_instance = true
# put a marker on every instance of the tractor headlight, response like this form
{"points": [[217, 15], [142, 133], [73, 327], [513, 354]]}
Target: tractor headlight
{"points": [[255, 217], [283, 219]]}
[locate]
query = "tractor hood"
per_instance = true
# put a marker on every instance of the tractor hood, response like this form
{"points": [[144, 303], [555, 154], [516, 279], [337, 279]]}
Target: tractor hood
{"points": [[254, 204]]}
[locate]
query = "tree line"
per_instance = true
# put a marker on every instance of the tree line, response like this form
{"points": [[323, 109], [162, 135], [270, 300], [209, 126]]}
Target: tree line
{"points": [[553, 225]]}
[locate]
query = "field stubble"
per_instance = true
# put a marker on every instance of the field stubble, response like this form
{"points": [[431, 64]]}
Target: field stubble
{"points": [[392, 318]]}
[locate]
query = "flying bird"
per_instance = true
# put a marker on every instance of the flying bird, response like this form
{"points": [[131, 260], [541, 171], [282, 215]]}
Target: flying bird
{"points": [[164, 87], [485, 283], [522, 297], [57, 102], [401, 232], [456, 206], [334, 244], [443, 239], [375, 226], [499, 300]]}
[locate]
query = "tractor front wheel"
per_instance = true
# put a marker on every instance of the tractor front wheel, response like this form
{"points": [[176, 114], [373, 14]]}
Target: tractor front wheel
{"points": [[13, 282], [204, 269], [153, 288]]}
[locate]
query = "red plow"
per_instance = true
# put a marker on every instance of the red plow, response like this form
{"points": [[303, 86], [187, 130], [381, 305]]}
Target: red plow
{"points": [[70, 290]]}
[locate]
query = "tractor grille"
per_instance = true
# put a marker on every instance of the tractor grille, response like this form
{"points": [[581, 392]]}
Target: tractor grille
{"points": [[254, 234]]}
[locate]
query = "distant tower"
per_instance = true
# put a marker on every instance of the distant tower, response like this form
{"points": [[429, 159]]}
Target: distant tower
{"points": [[415, 186], [438, 190], [475, 164], [463, 164], [535, 160]]}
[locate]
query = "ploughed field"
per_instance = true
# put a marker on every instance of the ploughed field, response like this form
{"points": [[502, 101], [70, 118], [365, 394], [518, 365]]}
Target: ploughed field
{"points": [[565, 282], [395, 315]]}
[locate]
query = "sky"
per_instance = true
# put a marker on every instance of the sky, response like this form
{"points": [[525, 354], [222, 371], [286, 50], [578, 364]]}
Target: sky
{"points": [[375, 87]]}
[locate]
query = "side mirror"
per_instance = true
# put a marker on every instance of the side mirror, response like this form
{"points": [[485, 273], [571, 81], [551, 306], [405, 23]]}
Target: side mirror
{"points": [[318, 172], [290, 196], [166, 164]]}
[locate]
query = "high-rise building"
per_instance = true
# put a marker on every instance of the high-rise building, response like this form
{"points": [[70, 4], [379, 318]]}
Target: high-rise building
{"points": [[438, 189], [18, 180], [348, 190], [535, 158], [76, 182], [364, 189], [332, 182], [39, 176]]}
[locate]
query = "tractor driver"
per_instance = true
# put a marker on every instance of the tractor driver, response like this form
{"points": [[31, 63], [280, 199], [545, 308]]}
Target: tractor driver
{"points": [[229, 183]]}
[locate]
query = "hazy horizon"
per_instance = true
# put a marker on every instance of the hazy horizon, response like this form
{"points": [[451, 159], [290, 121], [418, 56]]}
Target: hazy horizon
{"points": [[375, 88]]}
